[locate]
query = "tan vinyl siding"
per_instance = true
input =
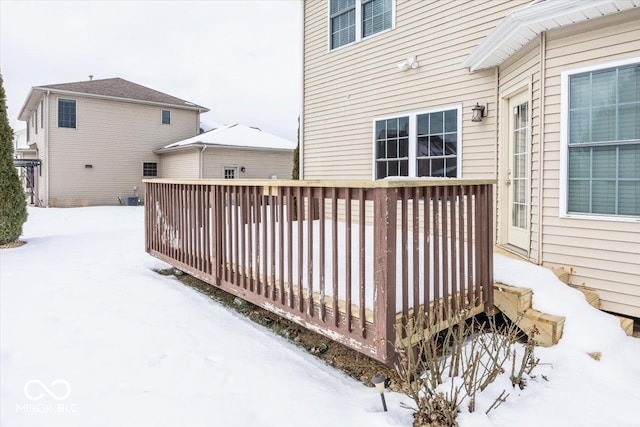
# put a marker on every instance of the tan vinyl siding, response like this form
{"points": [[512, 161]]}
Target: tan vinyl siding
{"points": [[115, 138], [347, 88], [180, 164], [605, 255], [520, 72], [258, 164]]}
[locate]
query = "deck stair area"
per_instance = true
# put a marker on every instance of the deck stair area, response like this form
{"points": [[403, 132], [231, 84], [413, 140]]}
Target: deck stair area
{"points": [[593, 299], [515, 303]]}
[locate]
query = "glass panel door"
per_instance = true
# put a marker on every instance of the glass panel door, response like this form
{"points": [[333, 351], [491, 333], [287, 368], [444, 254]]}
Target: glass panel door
{"points": [[517, 182]]}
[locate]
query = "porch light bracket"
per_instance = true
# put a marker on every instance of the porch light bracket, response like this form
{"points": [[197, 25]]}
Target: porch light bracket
{"points": [[478, 112]]}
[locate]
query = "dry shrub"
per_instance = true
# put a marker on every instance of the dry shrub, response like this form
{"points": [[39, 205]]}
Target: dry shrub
{"points": [[444, 370]]}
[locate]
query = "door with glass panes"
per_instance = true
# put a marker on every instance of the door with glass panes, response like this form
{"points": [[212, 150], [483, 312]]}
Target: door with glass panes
{"points": [[516, 183]]}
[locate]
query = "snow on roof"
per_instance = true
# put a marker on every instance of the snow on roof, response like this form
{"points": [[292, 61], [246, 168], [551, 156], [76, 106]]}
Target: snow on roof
{"points": [[235, 135]]}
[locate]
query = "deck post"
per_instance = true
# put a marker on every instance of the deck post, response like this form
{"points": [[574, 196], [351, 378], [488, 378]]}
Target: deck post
{"points": [[384, 295]]}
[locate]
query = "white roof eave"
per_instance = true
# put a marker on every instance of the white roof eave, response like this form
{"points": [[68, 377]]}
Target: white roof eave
{"points": [[522, 26]]}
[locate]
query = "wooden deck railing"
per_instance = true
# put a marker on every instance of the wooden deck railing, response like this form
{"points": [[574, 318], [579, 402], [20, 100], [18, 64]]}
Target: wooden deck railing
{"points": [[350, 260]]}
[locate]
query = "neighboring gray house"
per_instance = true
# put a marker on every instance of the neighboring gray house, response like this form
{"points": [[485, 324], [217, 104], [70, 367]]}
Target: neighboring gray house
{"points": [[230, 152], [96, 139]]}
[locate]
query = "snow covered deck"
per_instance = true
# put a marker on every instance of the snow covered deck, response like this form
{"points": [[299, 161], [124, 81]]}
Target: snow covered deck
{"points": [[350, 260]]}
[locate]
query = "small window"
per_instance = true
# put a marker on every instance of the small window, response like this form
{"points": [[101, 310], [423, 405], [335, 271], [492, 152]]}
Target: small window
{"points": [[343, 22], [352, 20], [149, 169], [437, 148], [66, 113], [392, 147], [42, 113], [166, 117], [28, 135], [35, 118], [230, 172], [376, 16]]}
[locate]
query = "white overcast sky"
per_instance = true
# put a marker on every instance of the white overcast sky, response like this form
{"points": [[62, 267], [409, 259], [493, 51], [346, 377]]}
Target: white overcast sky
{"points": [[242, 59]]}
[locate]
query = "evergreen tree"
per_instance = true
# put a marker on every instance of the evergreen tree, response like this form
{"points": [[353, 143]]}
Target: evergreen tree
{"points": [[295, 174], [13, 204]]}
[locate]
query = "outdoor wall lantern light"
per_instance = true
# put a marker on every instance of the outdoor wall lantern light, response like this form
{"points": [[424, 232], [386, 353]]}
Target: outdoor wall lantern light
{"points": [[477, 112], [242, 169], [379, 381]]}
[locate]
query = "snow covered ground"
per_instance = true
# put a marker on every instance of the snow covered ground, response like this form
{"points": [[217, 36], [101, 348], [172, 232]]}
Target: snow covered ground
{"points": [[90, 335]]}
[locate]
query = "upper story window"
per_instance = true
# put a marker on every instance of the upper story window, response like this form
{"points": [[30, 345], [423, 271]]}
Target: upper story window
{"points": [[352, 20], [166, 117], [28, 133], [42, 114], [418, 145], [35, 121], [149, 169], [603, 141], [66, 113]]}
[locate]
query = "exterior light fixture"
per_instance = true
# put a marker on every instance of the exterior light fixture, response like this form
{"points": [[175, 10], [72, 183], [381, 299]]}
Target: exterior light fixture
{"points": [[242, 169], [410, 63], [379, 381], [477, 112]]}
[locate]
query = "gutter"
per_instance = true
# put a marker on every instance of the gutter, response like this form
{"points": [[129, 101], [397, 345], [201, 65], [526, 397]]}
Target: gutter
{"points": [[201, 171], [231, 147], [46, 149]]}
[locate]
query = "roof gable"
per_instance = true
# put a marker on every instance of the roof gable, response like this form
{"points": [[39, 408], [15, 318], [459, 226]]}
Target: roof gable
{"points": [[120, 88], [115, 88]]}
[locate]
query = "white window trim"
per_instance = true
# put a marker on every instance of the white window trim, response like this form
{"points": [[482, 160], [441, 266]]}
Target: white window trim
{"points": [[58, 112], [359, 37], [564, 141], [413, 138]]}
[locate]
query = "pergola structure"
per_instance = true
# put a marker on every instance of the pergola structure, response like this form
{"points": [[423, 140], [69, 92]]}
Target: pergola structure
{"points": [[29, 177]]}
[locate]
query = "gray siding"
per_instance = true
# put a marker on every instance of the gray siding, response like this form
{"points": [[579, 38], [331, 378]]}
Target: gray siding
{"points": [[180, 164], [114, 137], [258, 164]]}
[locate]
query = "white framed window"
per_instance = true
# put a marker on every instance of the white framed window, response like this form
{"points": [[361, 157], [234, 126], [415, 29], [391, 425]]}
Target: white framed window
{"points": [[230, 172], [42, 113], [149, 169], [353, 20], [66, 113], [166, 117], [600, 140], [422, 144]]}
